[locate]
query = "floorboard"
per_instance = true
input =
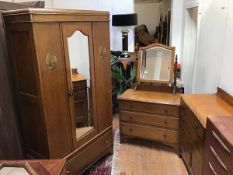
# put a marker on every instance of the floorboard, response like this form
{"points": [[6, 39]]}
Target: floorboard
{"points": [[141, 157]]}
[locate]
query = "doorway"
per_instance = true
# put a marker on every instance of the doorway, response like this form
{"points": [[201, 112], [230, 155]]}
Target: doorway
{"points": [[190, 44]]}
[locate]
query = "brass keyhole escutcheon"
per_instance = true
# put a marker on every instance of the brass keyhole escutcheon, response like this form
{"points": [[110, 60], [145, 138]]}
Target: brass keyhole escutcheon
{"points": [[102, 52], [51, 60]]}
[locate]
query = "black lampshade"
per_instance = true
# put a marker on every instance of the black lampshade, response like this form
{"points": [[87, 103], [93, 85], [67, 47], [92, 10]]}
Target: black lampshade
{"points": [[124, 19]]}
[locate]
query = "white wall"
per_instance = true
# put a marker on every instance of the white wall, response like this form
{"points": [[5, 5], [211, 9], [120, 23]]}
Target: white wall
{"points": [[114, 7], [214, 56], [177, 26], [226, 77], [149, 14], [209, 51]]}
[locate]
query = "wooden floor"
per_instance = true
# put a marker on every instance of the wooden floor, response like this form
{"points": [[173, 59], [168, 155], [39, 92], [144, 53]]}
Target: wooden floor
{"points": [[140, 157]]}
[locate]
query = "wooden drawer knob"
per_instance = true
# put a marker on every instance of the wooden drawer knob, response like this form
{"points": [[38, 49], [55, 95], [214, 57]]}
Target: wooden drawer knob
{"points": [[166, 111], [165, 136], [131, 118], [165, 122]]}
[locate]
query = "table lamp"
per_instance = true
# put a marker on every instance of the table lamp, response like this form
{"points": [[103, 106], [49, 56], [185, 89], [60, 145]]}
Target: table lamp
{"points": [[124, 20]]}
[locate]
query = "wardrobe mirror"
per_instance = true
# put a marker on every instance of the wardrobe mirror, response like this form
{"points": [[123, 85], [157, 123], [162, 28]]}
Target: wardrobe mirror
{"points": [[155, 64], [78, 48]]}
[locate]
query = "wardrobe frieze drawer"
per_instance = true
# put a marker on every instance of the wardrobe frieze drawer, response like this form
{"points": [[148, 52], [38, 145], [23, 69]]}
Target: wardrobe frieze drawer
{"points": [[149, 119], [159, 109], [149, 132]]}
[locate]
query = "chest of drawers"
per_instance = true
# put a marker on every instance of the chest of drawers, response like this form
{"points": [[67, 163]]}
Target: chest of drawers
{"points": [[218, 146], [150, 115], [194, 110], [80, 99]]}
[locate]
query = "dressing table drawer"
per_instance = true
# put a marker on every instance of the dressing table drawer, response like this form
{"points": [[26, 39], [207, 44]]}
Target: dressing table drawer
{"points": [[149, 132], [149, 119], [157, 109]]}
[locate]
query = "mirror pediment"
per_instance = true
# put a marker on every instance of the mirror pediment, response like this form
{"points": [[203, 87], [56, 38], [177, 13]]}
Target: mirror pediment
{"points": [[155, 64]]}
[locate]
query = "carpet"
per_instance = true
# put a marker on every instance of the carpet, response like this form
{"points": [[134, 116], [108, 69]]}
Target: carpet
{"points": [[101, 167], [115, 167], [108, 164]]}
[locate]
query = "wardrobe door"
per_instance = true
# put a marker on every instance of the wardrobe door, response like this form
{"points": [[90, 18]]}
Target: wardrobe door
{"points": [[102, 74], [52, 73], [77, 37]]}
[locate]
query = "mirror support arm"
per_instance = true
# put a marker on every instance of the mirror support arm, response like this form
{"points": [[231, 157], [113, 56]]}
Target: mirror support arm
{"points": [[175, 74]]}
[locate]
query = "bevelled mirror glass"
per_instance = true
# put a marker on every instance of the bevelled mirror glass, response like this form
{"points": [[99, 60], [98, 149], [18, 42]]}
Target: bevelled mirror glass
{"points": [[155, 64], [78, 48]]}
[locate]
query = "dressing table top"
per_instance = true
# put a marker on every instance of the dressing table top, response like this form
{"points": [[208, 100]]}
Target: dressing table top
{"points": [[78, 77], [151, 97], [204, 105]]}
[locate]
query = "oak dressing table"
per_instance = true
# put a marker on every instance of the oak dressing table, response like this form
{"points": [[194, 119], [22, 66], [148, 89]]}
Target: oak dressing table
{"points": [[152, 111]]}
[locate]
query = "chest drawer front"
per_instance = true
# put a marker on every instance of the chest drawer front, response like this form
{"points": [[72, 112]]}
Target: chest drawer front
{"points": [[157, 109], [148, 132], [214, 163], [149, 119], [80, 95], [79, 85], [222, 148]]}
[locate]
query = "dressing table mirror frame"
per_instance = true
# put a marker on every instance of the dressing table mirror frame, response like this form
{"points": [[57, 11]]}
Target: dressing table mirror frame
{"points": [[141, 49]]}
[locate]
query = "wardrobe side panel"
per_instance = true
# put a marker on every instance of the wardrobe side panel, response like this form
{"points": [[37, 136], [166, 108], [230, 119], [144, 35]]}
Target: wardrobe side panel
{"points": [[26, 80]]}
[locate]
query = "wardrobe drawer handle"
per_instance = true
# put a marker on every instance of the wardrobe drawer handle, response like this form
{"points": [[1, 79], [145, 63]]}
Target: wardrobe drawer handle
{"points": [[218, 159], [212, 168], [221, 142], [165, 122], [131, 118]]}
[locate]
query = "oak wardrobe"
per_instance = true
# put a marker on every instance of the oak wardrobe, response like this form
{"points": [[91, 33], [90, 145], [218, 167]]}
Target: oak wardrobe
{"points": [[47, 48]]}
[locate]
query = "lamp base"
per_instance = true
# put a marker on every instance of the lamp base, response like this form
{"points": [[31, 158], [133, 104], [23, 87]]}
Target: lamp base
{"points": [[125, 54]]}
